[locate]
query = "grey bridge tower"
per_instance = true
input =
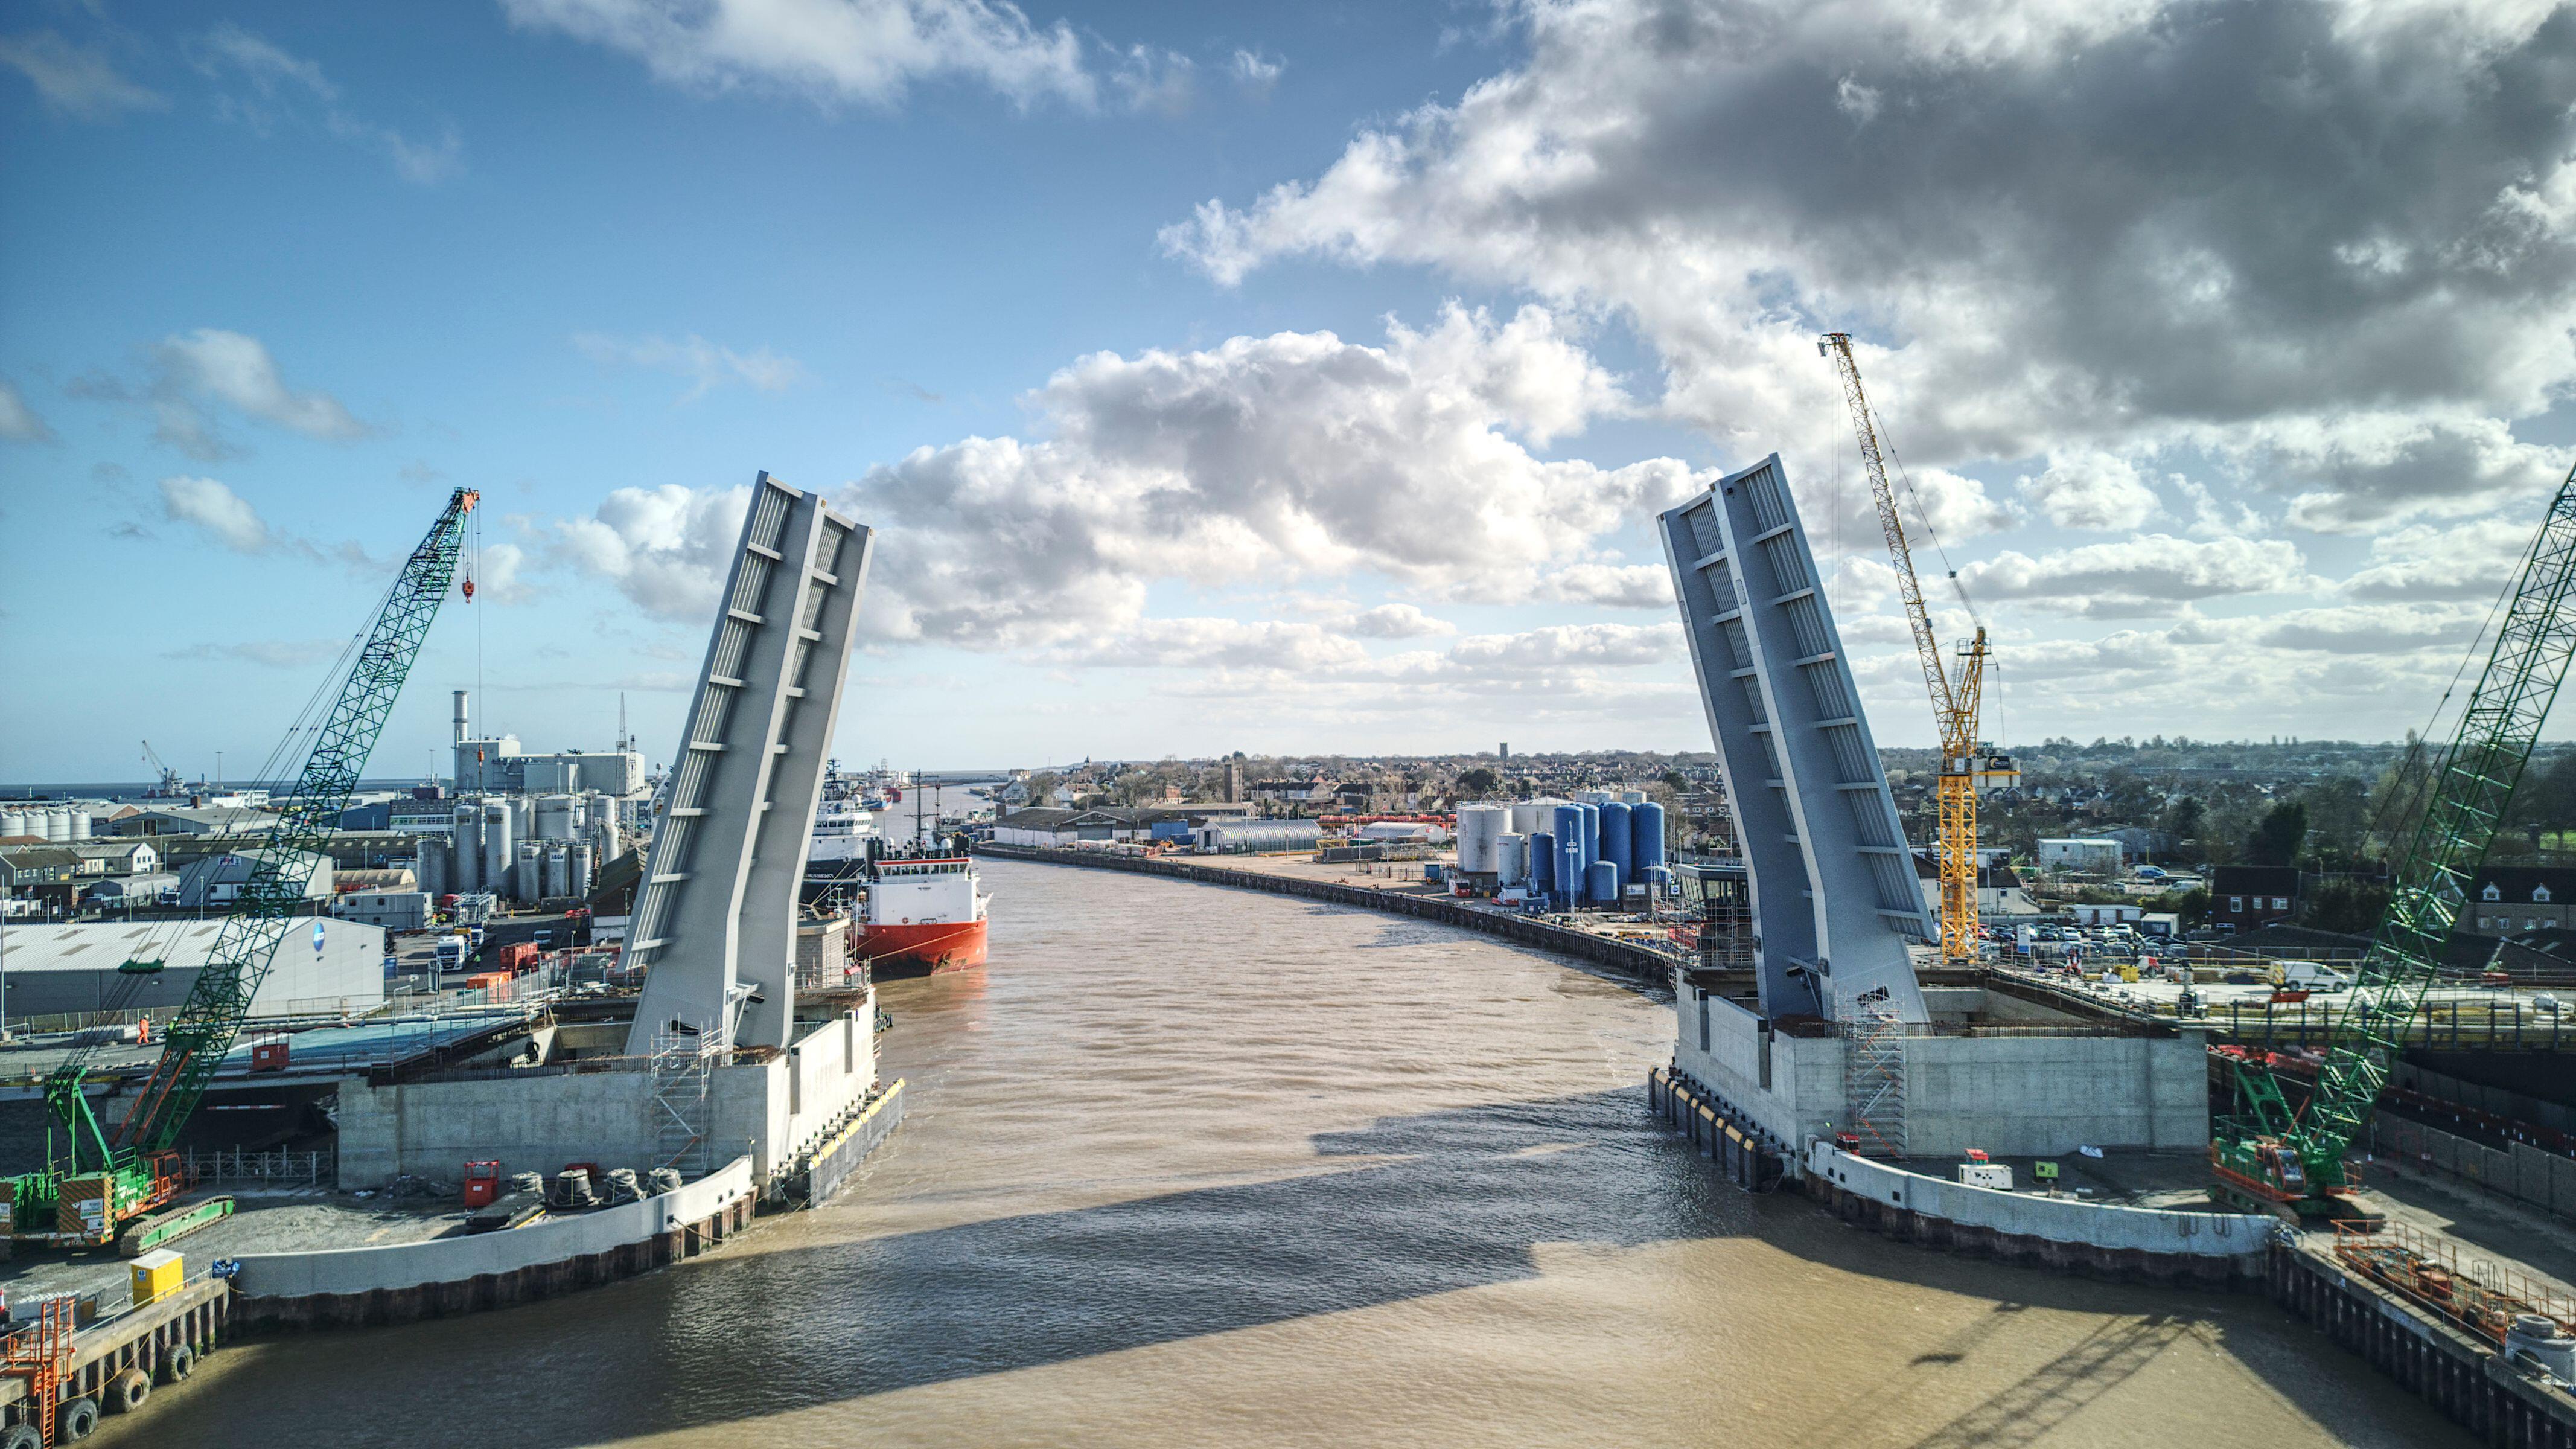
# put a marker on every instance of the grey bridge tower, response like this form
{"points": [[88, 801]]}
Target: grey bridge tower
{"points": [[1835, 898], [715, 915]]}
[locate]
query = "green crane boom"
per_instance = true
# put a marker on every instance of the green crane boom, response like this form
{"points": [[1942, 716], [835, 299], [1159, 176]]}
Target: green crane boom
{"points": [[2297, 1160], [127, 1170]]}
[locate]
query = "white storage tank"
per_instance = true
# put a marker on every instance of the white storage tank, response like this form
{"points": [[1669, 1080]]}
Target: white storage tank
{"points": [[80, 825], [58, 825], [500, 848], [584, 868], [557, 876], [467, 876], [554, 818], [1479, 827], [528, 882], [1511, 859], [14, 822], [430, 868]]}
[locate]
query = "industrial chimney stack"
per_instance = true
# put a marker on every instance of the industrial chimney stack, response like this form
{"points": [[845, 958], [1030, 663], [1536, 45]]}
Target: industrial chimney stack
{"points": [[460, 717]]}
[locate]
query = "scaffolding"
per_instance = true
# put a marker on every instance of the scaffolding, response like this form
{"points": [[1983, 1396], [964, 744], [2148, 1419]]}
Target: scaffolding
{"points": [[1874, 1075], [41, 1355], [683, 1077]]}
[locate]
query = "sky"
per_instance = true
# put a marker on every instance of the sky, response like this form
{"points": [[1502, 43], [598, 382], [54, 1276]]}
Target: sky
{"points": [[1285, 379]]}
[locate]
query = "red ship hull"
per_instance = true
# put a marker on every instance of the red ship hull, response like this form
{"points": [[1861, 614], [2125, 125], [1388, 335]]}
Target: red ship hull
{"points": [[925, 949]]}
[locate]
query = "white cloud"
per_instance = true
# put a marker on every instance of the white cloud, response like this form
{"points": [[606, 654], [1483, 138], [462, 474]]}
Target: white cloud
{"points": [[280, 85], [19, 422], [499, 579], [73, 81], [666, 549], [1297, 455], [2091, 490], [1390, 621], [1150, 79], [2471, 561], [1215, 644], [2075, 229], [2150, 574], [870, 51], [707, 365], [225, 515], [193, 373], [1617, 586], [1256, 72]]}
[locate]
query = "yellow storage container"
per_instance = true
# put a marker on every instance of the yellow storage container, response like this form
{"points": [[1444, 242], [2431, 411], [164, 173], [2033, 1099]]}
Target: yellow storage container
{"points": [[157, 1275]]}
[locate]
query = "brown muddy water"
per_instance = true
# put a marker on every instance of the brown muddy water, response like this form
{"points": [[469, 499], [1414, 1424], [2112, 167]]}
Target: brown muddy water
{"points": [[1187, 1166]]}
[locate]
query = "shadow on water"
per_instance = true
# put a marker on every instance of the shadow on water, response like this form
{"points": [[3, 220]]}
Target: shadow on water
{"points": [[1427, 1204]]}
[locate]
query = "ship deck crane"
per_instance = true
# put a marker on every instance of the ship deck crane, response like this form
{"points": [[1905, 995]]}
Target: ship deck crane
{"points": [[1956, 699], [110, 1185], [2294, 1161]]}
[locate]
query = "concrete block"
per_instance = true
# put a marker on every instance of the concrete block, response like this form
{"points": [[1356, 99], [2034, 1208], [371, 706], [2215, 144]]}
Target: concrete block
{"points": [[2531, 1174]]}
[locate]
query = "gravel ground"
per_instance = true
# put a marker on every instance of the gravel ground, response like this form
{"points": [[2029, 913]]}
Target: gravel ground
{"points": [[261, 1223]]}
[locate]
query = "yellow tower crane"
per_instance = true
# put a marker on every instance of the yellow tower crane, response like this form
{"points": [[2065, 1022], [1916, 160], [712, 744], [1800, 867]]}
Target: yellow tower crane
{"points": [[1954, 698]]}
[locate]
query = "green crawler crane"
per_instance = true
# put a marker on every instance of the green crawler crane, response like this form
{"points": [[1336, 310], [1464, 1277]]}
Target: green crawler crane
{"points": [[2294, 1162], [113, 1186]]}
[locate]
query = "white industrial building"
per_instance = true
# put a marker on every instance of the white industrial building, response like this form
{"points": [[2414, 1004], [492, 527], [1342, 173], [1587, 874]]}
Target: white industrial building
{"points": [[321, 967], [393, 910], [2097, 857], [213, 880], [496, 765], [1258, 837]]}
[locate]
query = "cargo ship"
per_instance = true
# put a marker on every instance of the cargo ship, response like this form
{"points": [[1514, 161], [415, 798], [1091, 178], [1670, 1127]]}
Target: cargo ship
{"points": [[922, 914]]}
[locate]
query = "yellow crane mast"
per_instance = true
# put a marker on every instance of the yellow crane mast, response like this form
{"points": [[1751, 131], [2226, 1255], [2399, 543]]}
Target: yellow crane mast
{"points": [[1954, 700]]}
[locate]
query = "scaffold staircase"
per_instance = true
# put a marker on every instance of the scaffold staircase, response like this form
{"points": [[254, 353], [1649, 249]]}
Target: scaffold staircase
{"points": [[683, 1074], [1874, 1075], [41, 1354]]}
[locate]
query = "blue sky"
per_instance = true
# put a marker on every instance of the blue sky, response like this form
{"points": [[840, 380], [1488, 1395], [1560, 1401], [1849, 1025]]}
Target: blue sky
{"points": [[1045, 296]]}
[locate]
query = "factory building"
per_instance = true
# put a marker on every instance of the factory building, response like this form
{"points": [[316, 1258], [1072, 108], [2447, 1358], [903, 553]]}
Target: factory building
{"points": [[496, 765], [525, 848], [323, 967], [213, 880]]}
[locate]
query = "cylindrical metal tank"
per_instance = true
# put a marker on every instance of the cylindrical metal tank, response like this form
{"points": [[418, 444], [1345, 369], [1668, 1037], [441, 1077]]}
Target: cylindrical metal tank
{"points": [[429, 869], [80, 825], [1542, 861], [1531, 816], [1479, 827], [1569, 832], [500, 848], [13, 822], [1603, 882], [1569, 867], [528, 877], [557, 875], [467, 878], [1591, 832], [1614, 838], [523, 817], [1646, 838], [584, 870], [1511, 864], [1632, 797], [58, 825], [1596, 797], [554, 818]]}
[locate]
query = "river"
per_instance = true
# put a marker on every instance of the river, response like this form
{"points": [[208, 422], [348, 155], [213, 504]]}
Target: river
{"points": [[1187, 1166]]}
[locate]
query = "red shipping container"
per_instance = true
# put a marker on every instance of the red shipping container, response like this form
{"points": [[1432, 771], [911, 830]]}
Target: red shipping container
{"points": [[482, 1183]]}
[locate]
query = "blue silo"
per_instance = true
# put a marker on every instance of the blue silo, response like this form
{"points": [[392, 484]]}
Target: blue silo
{"points": [[1542, 862], [1604, 882], [1646, 837], [1569, 831], [1615, 842], [1591, 834]]}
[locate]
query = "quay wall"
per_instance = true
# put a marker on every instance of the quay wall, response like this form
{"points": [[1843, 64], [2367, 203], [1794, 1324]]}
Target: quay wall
{"points": [[1652, 967], [2460, 1374], [398, 1282]]}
